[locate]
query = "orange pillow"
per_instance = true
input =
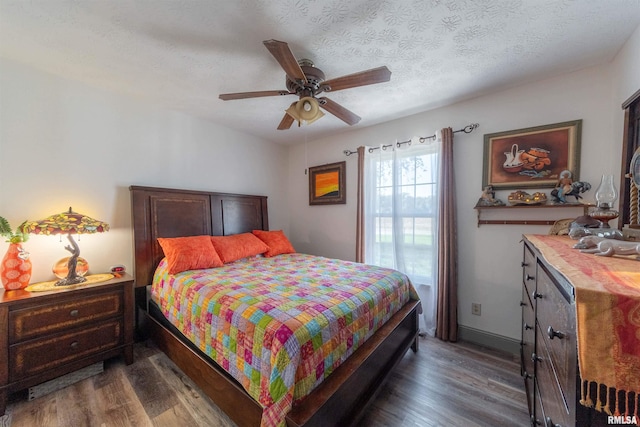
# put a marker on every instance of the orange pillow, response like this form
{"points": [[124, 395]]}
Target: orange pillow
{"points": [[189, 253], [237, 246], [277, 242]]}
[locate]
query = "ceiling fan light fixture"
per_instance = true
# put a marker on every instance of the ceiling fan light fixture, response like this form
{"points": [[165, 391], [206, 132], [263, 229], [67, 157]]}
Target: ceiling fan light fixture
{"points": [[306, 110], [304, 80]]}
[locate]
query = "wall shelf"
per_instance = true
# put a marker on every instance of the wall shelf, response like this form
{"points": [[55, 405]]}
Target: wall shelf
{"points": [[584, 206]]}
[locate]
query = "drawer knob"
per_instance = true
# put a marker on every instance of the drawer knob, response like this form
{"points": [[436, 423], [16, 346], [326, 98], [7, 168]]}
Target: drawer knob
{"points": [[535, 421], [527, 327], [530, 277], [535, 358], [553, 333], [535, 295], [74, 345], [522, 303], [524, 264], [549, 423], [527, 375], [73, 313]]}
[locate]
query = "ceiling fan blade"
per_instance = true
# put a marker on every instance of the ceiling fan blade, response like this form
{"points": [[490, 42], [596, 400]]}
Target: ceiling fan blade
{"points": [[284, 56], [339, 111], [258, 94], [286, 122], [363, 78]]}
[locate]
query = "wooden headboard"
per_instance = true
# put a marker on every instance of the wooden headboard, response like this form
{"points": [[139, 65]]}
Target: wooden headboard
{"points": [[164, 212]]}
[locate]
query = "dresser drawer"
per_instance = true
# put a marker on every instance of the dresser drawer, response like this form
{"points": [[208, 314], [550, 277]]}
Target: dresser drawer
{"points": [[528, 324], [527, 346], [555, 407], [35, 356], [51, 318], [529, 272], [556, 319], [537, 417]]}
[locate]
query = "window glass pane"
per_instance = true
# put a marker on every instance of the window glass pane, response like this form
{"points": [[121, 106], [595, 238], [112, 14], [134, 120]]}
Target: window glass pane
{"points": [[384, 201], [407, 230], [424, 169], [385, 177], [408, 244], [407, 171], [384, 229], [407, 200], [425, 199]]}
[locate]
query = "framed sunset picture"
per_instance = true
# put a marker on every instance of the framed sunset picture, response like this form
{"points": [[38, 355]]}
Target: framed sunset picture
{"points": [[327, 184]]}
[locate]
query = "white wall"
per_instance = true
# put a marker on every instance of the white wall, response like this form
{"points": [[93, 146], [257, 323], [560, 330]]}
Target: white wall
{"points": [[66, 144], [626, 71], [490, 255], [626, 79]]}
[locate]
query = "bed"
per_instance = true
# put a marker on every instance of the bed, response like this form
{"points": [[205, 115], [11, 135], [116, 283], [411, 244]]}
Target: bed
{"points": [[340, 399]]}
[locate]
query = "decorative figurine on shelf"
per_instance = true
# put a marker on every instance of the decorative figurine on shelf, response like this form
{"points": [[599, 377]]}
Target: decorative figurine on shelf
{"points": [[520, 197], [567, 187], [488, 198], [564, 185]]}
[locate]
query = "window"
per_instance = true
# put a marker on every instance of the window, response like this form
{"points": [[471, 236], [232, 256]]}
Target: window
{"points": [[400, 214]]}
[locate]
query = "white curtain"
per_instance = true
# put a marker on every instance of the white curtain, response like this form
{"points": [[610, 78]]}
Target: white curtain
{"points": [[400, 216]]}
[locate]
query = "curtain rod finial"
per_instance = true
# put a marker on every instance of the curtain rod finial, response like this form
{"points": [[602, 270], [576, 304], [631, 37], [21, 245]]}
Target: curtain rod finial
{"points": [[471, 127]]}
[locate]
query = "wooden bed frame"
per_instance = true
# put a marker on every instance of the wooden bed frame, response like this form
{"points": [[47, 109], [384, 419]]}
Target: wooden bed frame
{"points": [[340, 400]]}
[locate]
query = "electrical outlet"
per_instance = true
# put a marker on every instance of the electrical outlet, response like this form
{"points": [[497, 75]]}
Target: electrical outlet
{"points": [[476, 308]]}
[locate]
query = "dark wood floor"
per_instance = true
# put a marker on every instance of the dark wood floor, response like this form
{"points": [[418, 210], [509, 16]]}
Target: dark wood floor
{"points": [[442, 385]]}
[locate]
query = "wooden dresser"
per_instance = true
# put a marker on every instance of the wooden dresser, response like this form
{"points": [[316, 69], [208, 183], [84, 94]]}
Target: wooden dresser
{"points": [[49, 334], [549, 347]]}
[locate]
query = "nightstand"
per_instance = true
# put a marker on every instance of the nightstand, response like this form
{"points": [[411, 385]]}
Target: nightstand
{"points": [[48, 334]]}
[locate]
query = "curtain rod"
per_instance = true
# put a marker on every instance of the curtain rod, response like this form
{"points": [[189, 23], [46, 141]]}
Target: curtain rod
{"points": [[467, 129]]}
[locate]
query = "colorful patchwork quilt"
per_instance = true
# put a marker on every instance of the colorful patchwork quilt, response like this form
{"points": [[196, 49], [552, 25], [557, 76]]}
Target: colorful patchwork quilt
{"points": [[280, 325]]}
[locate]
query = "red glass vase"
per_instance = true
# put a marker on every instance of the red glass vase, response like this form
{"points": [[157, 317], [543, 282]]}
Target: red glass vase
{"points": [[15, 270]]}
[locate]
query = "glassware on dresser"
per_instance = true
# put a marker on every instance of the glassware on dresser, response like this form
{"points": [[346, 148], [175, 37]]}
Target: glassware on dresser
{"points": [[606, 195]]}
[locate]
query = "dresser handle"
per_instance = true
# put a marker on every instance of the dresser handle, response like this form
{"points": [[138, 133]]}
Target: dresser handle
{"points": [[74, 345], [530, 277], [527, 327], [535, 358], [535, 295], [73, 313], [549, 423], [553, 333], [527, 375]]}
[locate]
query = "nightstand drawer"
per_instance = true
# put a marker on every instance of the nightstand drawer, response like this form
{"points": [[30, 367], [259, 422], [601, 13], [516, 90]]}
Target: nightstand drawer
{"points": [[33, 357], [48, 319]]}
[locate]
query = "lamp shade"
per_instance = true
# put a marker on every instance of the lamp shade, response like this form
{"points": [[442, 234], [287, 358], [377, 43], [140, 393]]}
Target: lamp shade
{"points": [[306, 109], [69, 222]]}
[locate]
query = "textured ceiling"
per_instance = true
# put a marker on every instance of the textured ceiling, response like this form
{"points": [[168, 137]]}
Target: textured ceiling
{"points": [[180, 54]]}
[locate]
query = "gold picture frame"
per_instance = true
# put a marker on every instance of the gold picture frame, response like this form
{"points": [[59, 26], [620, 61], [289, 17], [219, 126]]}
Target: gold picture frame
{"points": [[532, 157], [327, 184]]}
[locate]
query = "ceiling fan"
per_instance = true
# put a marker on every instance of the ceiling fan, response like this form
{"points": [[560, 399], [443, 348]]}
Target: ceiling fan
{"points": [[306, 81]]}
